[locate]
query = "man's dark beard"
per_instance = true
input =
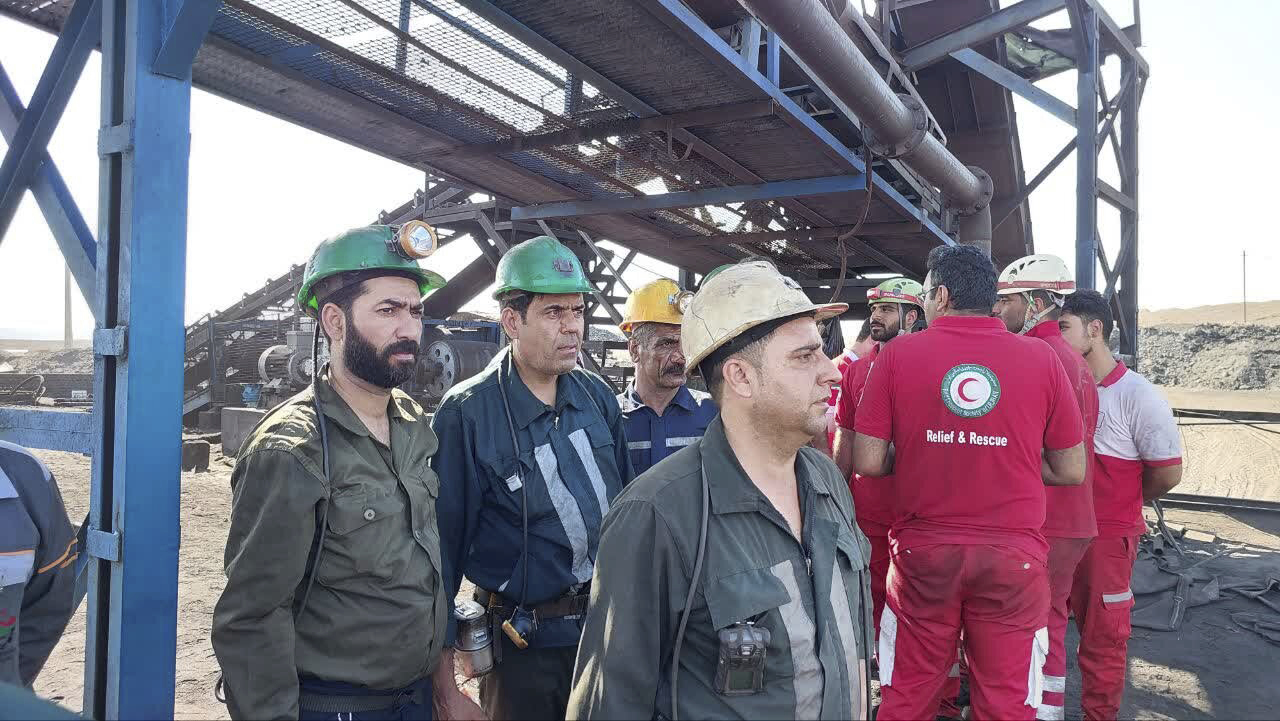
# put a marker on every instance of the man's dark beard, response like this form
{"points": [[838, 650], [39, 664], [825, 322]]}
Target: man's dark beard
{"points": [[883, 330], [376, 368]]}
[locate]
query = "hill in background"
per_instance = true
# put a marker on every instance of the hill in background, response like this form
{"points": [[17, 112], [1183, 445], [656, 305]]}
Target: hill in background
{"points": [[1264, 313]]}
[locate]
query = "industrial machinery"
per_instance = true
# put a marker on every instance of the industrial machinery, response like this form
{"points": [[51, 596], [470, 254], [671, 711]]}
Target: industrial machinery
{"points": [[447, 361]]}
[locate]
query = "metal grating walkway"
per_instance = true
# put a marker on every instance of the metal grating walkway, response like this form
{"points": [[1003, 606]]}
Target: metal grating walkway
{"points": [[454, 87]]}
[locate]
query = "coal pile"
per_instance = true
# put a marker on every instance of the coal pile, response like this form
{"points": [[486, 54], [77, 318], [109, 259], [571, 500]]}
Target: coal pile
{"points": [[1211, 355], [75, 360]]}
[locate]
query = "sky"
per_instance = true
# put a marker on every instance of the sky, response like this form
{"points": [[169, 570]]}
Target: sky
{"points": [[263, 192]]}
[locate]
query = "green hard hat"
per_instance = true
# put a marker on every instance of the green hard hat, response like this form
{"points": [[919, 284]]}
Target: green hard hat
{"points": [[897, 290], [367, 248], [715, 271], [750, 258], [541, 265]]}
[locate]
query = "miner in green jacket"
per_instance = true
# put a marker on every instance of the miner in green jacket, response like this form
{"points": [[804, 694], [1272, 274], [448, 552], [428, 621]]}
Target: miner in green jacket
{"points": [[783, 565], [335, 599]]}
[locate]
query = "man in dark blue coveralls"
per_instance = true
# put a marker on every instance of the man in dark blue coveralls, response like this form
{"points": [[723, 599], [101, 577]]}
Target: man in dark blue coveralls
{"points": [[531, 454], [662, 414]]}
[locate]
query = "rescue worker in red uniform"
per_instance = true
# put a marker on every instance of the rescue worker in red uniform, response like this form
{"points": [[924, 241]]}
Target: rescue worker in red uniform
{"points": [[895, 310], [962, 415], [1138, 457], [1031, 292]]}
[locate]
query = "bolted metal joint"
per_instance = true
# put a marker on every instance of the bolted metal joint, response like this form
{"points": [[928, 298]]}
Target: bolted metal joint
{"points": [[111, 341], [987, 191], [919, 130]]}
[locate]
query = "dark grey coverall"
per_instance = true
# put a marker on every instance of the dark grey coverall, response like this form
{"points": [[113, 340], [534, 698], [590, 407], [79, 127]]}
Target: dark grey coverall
{"points": [[37, 558]]}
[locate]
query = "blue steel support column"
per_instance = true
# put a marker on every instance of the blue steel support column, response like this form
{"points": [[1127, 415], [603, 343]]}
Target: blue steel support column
{"points": [[1086, 27], [1128, 259], [138, 347]]}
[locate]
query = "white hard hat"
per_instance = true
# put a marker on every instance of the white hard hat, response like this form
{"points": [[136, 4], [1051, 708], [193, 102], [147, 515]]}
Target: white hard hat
{"points": [[1036, 272], [739, 298]]}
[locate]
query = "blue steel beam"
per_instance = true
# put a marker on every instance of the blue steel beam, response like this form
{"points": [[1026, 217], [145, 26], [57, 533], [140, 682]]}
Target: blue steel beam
{"points": [[1017, 84], [981, 30], [50, 430], [191, 20], [1085, 24], [79, 36], [676, 15], [132, 630], [693, 198], [1118, 34], [54, 198]]}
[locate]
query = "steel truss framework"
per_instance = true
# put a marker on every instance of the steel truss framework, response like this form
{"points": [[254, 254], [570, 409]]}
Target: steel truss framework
{"points": [[1094, 34], [133, 271]]}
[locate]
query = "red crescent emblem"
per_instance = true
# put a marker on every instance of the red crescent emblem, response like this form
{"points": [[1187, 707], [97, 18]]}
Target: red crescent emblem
{"points": [[960, 390]]}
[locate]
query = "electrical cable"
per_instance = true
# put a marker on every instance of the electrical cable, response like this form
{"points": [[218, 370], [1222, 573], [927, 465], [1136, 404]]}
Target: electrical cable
{"points": [[869, 195], [524, 499], [688, 601], [324, 465], [671, 152], [1206, 414]]}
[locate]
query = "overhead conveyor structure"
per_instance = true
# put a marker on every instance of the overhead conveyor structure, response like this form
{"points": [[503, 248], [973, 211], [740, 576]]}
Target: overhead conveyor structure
{"points": [[841, 146]]}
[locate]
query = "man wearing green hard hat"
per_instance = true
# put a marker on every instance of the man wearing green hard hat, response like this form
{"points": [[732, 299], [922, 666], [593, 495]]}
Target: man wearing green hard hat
{"points": [[334, 602], [897, 308], [532, 452]]}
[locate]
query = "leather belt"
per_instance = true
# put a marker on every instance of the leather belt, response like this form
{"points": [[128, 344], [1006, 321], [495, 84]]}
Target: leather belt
{"points": [[329, 703], [568, 605]]}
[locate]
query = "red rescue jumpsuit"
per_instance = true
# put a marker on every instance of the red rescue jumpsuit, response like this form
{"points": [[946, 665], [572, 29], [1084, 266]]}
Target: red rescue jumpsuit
{"points": [[1069, 523], [1136, 430], [969, 408], [871, 496]]}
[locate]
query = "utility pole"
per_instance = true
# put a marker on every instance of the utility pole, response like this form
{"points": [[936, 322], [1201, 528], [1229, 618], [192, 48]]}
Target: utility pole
{"points": [[1244, 285], [66, 306]]}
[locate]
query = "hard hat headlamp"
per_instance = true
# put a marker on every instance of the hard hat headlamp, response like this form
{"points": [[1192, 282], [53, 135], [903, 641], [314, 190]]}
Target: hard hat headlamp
{"points": [[680, 301], [415, 240]]}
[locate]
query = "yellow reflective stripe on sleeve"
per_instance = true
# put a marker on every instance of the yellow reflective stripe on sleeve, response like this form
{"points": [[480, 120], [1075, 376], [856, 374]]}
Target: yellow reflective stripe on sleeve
{"points": [[60, 559]]}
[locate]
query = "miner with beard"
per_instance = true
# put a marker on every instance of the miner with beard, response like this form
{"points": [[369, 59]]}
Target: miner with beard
{"points": [[896, 310], [662, 414], [335, 598]]}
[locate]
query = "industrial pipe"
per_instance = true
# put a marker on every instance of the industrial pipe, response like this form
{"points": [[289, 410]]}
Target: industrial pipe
{"points": [[975, 229], [894, 125]]}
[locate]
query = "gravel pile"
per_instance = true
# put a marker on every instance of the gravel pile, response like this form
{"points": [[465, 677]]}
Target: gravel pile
{"points": [[1221, 357]]}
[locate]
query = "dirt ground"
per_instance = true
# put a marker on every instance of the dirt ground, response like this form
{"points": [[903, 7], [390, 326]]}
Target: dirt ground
{"points": [[1209, 669], [206, 504]]}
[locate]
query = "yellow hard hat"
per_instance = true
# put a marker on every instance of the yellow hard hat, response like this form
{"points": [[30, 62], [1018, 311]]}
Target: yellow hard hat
{"points": [[660, 301], [738, 299]]}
